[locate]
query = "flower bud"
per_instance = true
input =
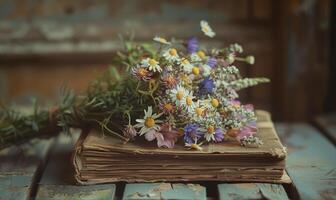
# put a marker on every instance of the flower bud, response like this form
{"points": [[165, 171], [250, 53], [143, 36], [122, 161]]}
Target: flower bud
{"points": [[230, 58], [250, 60]]}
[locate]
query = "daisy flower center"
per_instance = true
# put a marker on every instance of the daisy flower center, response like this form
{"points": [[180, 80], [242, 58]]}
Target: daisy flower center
{"points": [[195, 71], [179, 95], [214, 103], [149, 122], [185, 62], [188, 101], [163, 40], [211, 129], [142, 72], [152, 62], [201, 54], [173, 52], [195, 146], [199, 111], [168, 107]]}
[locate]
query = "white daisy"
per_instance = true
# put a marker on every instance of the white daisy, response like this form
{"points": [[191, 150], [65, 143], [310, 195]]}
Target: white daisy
{"points": [[206, 70], [171, 55], [161, 40], [188, 103], [207, 29], [187, 67], [194, 146], [149, 122], [211, 103], [209, 132], [198, 56], [152, 64], [198, 112], [178, 94]]}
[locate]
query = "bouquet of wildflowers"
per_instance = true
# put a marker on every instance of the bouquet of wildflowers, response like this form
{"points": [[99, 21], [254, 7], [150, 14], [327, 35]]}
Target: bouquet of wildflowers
{"points": [[193, 95], [174, 90]]}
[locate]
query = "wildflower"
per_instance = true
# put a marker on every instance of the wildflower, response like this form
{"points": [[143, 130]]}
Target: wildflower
{"points": [[171, 55], [152, 64], [194, 146], [250, 60], [201, 54], [188, 103], [223, 62], [129, 132], [199, 111], [207, 29], [206, 86], [161, 40], [187, 67], [195, 71], [141, 73], [215, 103], [169, 80], [236, 48], [191, 133], [149, 122], [185, 79], [213, 134], [192, 45], [166, 107], [166, 136], [230, 58], [206, 70], [212, 62], [178, 94], [249, 130]]}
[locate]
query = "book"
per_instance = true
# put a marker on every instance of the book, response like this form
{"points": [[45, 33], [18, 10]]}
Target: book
{"points": [[104, 159]]}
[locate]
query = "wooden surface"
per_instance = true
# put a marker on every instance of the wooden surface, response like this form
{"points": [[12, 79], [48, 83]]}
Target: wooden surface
{"points": [[327, 124], [311, 162], [246, 191], [164, 191], [26, 171]]}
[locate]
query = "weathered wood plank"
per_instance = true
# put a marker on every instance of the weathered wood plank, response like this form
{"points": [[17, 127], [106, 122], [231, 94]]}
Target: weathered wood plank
{"points": [[20, 168], [164, 191], [251, 191], [327, 123], [57, 181], [311, 161]]}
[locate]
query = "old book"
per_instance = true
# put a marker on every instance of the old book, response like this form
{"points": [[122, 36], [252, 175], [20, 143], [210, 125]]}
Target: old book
{"points": [[99, 159]]}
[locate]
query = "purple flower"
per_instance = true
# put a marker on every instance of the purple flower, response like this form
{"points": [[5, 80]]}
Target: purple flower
{"points": [[192, 45], [212, 62], [248, 130], [219, 135], [206, 86], [191, 133]]}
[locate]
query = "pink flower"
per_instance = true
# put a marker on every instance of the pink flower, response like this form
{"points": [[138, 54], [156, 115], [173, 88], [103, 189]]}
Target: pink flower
{"points": [[248, 130], [166, 136], [129, 132]]}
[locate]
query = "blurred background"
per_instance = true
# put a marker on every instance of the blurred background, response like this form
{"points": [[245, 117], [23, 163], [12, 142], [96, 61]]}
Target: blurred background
{"points": [[47, 43]]}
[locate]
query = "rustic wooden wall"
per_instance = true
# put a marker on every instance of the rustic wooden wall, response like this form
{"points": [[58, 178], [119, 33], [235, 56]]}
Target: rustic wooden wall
{"points": [[44, 44]]}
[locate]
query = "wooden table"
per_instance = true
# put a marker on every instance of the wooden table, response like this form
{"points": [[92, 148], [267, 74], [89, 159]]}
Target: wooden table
{"points": [[41, 170]]}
